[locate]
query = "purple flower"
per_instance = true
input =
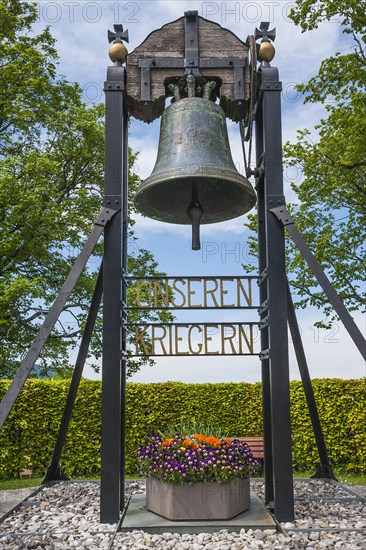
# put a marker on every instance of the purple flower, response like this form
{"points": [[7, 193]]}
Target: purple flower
{"points": [[197, 461]]}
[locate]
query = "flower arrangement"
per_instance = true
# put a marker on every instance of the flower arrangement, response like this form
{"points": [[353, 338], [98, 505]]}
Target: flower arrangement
{"points": [[197, 458]]}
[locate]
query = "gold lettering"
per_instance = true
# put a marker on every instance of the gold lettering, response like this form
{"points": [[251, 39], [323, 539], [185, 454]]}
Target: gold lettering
{"points": [[191, 292], [240, 287], [212, 291], [150, 293], [155, 338], [174, 285], [229, 338], [179, 339], [164, 296], [208, 338], [243, 336], [223, 292], [139, 339], [170, 339], [141, 292], [199, 346]]}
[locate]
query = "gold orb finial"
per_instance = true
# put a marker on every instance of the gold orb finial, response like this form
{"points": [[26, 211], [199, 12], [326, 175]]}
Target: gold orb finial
{"points": [[266, 51], [118, 52]]}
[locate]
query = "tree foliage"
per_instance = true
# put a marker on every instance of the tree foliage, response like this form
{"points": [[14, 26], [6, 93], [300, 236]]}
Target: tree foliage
{"points": [[332, 159], [51, 182]]}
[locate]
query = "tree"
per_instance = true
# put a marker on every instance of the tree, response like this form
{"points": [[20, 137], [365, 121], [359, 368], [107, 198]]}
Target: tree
{"points": [[51, 181], [332, 193]]}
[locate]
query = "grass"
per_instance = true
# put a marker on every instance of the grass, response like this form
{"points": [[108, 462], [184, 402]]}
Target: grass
{"points": [[341, 475], [20, 483], [16, 483]]}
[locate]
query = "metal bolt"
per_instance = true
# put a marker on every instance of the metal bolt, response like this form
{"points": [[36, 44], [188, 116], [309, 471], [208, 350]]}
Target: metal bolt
{"points": [[108, 202], [116, 202], [281, 209], [107, 211], [279, 201]]}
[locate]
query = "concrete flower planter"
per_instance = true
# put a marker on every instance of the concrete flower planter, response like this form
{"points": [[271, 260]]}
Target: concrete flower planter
{"points": [[197, 501]]}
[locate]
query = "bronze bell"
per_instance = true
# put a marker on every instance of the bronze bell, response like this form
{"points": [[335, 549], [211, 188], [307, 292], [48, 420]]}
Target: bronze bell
{"points": [[194, 177]]}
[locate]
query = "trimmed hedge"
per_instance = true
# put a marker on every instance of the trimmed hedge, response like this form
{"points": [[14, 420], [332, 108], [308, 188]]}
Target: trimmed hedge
{"points": [[29, 434]]}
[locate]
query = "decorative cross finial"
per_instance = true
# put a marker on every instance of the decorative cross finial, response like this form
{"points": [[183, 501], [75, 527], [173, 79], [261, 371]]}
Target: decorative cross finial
{"points": [[118, 35], [264, 33]]}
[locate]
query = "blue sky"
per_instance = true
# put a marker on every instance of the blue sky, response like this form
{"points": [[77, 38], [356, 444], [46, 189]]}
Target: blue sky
{"points": [[80, 28]]}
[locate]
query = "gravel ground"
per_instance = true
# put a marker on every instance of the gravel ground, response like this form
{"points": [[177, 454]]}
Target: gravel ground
{"points": [[66, 515]]}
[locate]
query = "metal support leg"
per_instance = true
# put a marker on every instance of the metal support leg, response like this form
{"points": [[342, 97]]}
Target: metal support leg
{"points": [[266, 389], [324, 469], [285, 217], [55, 310], [283, 504], [54, 471], [124, 304], [112, 490]]}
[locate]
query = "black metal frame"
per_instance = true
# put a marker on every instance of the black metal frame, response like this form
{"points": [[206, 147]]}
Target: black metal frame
{"points": [[114, 299], [276, 307], [274, 343]]}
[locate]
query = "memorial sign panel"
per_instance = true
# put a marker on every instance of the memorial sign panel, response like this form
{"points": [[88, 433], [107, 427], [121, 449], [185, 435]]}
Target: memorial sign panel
{"points": [[193, 292], [198, 338]]}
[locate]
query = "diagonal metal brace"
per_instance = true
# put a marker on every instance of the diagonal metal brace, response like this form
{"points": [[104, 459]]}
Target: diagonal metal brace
{"points": [[324, 469], [54, 470], [105, 215], [284, 216]]}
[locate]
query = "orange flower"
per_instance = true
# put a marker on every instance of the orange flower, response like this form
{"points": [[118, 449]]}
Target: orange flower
{"points": [[167, 442], [228, 440], [213, 441], [200, 437], [187, 442]]}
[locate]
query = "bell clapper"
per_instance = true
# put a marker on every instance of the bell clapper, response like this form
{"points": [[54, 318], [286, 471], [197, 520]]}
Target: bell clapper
{"points": [[195, 213]]}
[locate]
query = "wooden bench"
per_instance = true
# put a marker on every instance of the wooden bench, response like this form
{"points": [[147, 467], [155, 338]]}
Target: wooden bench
{"points": [[25, 473], [256, 445]]}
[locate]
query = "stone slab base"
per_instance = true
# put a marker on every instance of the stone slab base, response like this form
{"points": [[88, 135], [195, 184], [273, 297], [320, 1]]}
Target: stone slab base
{"points": [[138, 517]]}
